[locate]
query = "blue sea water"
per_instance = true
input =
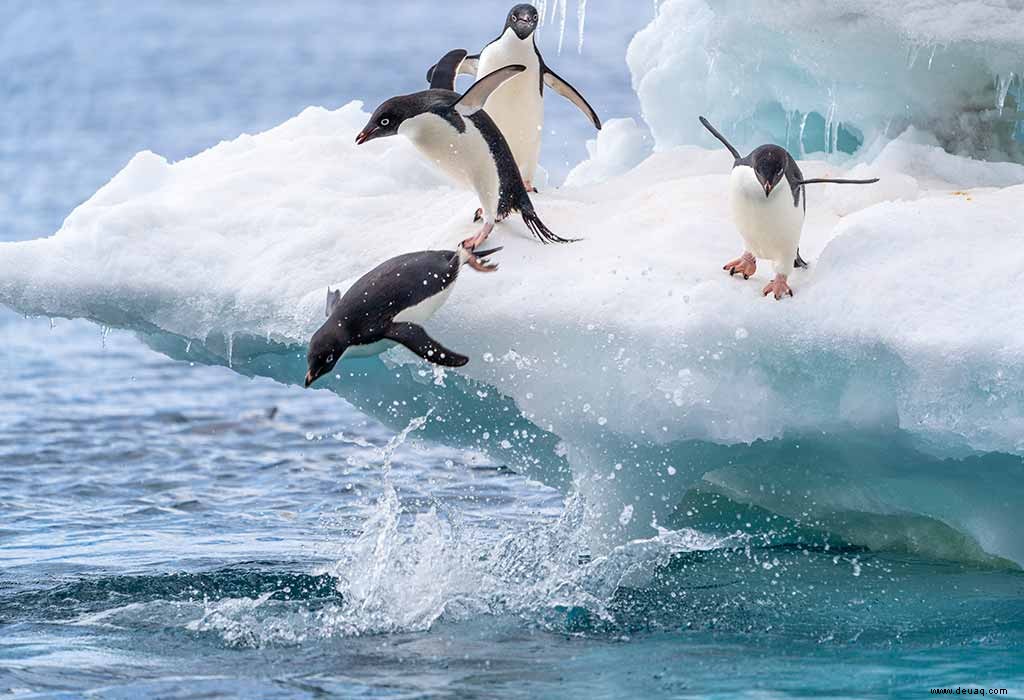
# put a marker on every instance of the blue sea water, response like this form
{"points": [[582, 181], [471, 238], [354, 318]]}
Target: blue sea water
{"points": [[170, 530]]}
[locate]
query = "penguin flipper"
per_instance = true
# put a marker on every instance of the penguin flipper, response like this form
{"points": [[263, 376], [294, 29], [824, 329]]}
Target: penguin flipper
{"points": [[563, 88], [416, 339], [800, 262], [333, 299], [442, 75], [474, 98], [468, 66], [718, 135]]}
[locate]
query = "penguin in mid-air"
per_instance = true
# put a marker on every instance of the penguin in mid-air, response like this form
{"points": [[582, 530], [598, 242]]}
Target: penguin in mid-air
{"points": [[386, 307], [455, 133], [770, 218], [518, 106]]}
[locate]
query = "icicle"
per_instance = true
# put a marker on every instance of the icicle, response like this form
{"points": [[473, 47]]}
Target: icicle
{"points": [[188, 346], [1020, 107], [542, 13], [104, 332], [53, 324], [912, 54], [932, 57], [562, 5], [830, 121], [231, 349], [581, 18], [803, 127], [1002, 90]]}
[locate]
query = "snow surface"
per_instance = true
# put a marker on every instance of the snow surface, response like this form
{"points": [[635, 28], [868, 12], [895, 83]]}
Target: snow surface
{"points": [[631, 347], [794, 72]]}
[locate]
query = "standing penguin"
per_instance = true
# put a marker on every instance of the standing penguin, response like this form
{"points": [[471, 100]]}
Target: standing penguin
{"points": [[518, 106], [386, 305], [455, 133], [769, 218]]}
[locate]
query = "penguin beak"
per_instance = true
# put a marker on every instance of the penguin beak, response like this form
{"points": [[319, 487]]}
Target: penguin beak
{"points": [[366, 135], [767, 189], [310, 378]]}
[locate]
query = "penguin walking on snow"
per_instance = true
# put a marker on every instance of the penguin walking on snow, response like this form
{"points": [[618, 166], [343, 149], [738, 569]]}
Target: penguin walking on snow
{"points": [[456, 133], [770, 218], [387, 305], [517, 107]]}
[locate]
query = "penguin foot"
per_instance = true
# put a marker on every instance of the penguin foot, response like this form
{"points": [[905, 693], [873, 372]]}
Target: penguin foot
{"points": [[471, 243], [480, 263], [479, 216], [779, 287], [745, 265]]}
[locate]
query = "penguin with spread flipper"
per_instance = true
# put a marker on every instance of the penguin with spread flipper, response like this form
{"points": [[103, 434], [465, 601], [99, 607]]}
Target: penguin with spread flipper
{"points": [[387, 306]]}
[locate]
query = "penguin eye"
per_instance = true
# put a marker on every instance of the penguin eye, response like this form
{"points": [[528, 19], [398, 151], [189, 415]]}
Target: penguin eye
{"points": [[385, 121]]}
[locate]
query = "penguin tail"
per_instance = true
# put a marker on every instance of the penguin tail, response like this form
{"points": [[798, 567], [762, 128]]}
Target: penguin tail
{"points": [[478, 259], [800, 262], [536, 226], [486, 253]]}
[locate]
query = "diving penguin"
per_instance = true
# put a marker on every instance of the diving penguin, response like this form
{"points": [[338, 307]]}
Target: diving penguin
{"points": [[456, 134], [518, 106], [769, 218], [387, 305]]}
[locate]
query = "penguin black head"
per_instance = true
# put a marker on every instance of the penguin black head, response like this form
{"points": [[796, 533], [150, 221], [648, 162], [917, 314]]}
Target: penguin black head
{"points": [[522, 19], [769, 165], [389, 116], [325, 349]]}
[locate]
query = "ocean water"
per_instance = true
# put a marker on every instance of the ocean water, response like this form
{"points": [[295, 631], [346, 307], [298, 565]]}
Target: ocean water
{"points": [[170, 530]]}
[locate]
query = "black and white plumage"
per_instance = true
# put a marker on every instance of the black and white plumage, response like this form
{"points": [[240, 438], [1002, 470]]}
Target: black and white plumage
{"points": [[386, 307], [518, 106], [457, 135], [769, 218]]}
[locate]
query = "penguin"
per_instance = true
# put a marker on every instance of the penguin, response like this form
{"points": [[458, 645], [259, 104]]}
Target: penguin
{"points": [[770, 218], [386, 307], [518, 106], [456, 133]]}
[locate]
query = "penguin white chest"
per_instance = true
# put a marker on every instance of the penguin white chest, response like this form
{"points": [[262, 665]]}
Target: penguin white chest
{"points": [[463, 156], [770, 226], [517, 107], [423, 311]]}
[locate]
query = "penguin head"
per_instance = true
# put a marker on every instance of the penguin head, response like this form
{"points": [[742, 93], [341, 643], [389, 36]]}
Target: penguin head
{"points": [[522, 19], [325, 349], [387, 118], [769, 165]]}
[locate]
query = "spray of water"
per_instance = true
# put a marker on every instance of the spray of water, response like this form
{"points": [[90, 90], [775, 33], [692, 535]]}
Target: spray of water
{"points": [[406, 571]]}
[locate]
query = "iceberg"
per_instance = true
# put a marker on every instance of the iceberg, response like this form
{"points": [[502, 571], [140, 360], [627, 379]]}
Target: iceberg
{"points": [[836, 77], [883, 404]]}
